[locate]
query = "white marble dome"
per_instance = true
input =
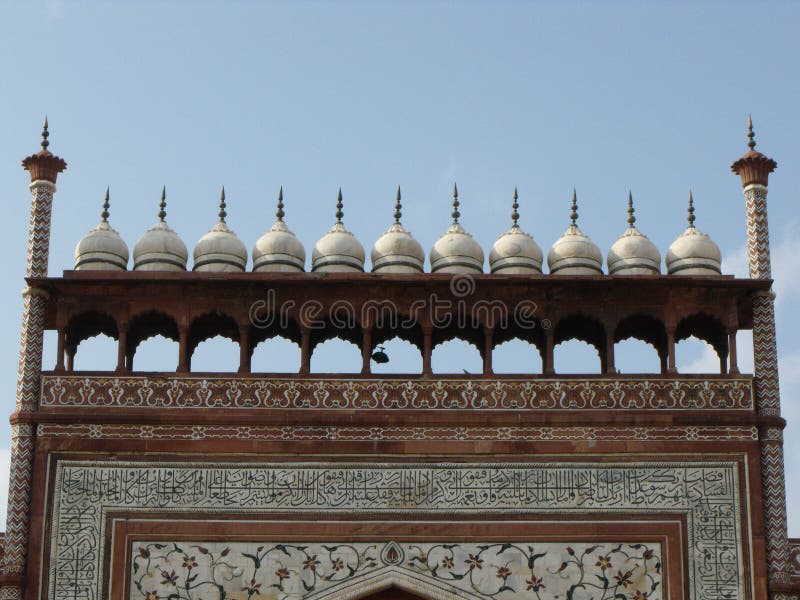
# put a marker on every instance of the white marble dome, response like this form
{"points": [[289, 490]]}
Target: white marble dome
{"points": [[515, 252], [574, 253], [279, 250], [396, 251], [338, 251], [102, 249], [456, 251], [693, 252], [160, 248], [220, 250], [633, 253]]}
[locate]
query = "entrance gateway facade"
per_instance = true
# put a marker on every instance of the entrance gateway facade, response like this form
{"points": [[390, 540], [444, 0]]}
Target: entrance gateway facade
{"points": [[133, 485]]}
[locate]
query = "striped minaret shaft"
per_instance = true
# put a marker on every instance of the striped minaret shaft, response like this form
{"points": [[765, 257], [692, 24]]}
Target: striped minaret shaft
{"points": [[44, 168], [754, 169]]}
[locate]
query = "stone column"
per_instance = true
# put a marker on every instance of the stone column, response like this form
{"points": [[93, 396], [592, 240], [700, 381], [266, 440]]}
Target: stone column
{"points": [[44, 168], [754, 169]]}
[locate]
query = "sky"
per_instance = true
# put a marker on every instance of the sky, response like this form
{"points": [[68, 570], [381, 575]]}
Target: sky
{"points": [[313, 96]]}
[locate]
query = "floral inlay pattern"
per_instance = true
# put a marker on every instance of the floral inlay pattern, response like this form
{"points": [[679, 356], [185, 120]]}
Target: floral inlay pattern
{"points": [[238, 570]]}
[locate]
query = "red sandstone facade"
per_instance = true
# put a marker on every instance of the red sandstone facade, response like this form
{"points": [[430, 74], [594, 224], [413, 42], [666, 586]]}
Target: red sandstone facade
{"points": [[130, 485]]}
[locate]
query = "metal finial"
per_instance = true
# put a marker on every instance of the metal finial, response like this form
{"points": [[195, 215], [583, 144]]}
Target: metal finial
{"points": [[573, 215], [162, 213], [106, 205], [631, 217], [280, 214], [339, 207], [398, 207], [455, 214], [690, 215], [515, 208], [222, 206], [751, 141], [45, 134]]}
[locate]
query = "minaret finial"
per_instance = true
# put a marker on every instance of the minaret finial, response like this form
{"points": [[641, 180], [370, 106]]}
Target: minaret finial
{"points": [[573, 215], [690, 212], [751, 137], [455, 214], [631, 217], [515, 208], [106, 205], [162, 213], [398, 207], [339, 207], [222, 206], [280, 214], [45, 134]]}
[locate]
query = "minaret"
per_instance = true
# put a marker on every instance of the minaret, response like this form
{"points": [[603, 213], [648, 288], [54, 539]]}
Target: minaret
{"points": [[754, 169], [44, 168]]}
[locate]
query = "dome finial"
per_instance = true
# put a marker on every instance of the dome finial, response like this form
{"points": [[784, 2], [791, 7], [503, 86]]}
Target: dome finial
{"points": [[106, 205], [280, 214], [631, 217], [162, 213], [751, 141], [222, 206], [398, 207], [515, 208], [690, 212], [455, 214], [339, 207], [45, 134], [573, 215]]}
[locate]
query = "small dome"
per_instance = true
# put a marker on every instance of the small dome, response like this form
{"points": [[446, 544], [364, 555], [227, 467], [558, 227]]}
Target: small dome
{"points": [[515, 252], [633, 253], [396, 251], [220, 250], [338, 251], [279, 250], [456, 251], [693, 253], [160, 248], [574, 253], [102, 249]]}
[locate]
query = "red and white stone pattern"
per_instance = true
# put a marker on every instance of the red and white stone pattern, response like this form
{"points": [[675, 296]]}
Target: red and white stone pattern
{"points": [[28, 382]]}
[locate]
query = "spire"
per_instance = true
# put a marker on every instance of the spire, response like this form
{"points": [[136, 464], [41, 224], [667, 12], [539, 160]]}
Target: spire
{"points": [[106, 205], [751, 137], [455, 214], [45, 134], [515, 208], [222, 205], [690, 213], [280, 214], [573, 215], [398, 207], [631, 217], [339, 207], [162, 213]]}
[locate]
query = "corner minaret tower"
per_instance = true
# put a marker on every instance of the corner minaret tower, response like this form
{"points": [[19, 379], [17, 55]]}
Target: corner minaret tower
{"points": [[44, 168], [754, 169]]}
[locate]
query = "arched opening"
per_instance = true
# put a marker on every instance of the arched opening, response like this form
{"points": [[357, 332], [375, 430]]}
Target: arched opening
{"points": [[152, 343], [404, 357], [214, 343], [97, 353], [457, 356], [710, 342], [640, 345], [393, 593], [579, 345], [276, 355], [336, 355], [517, 356]]}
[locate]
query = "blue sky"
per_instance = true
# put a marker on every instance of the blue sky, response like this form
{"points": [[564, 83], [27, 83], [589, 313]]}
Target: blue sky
{"points": [[604, 97]]}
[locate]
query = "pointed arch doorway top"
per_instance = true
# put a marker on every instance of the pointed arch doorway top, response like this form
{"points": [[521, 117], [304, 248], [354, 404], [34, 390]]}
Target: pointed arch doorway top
{"points": [[393, 593]]}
